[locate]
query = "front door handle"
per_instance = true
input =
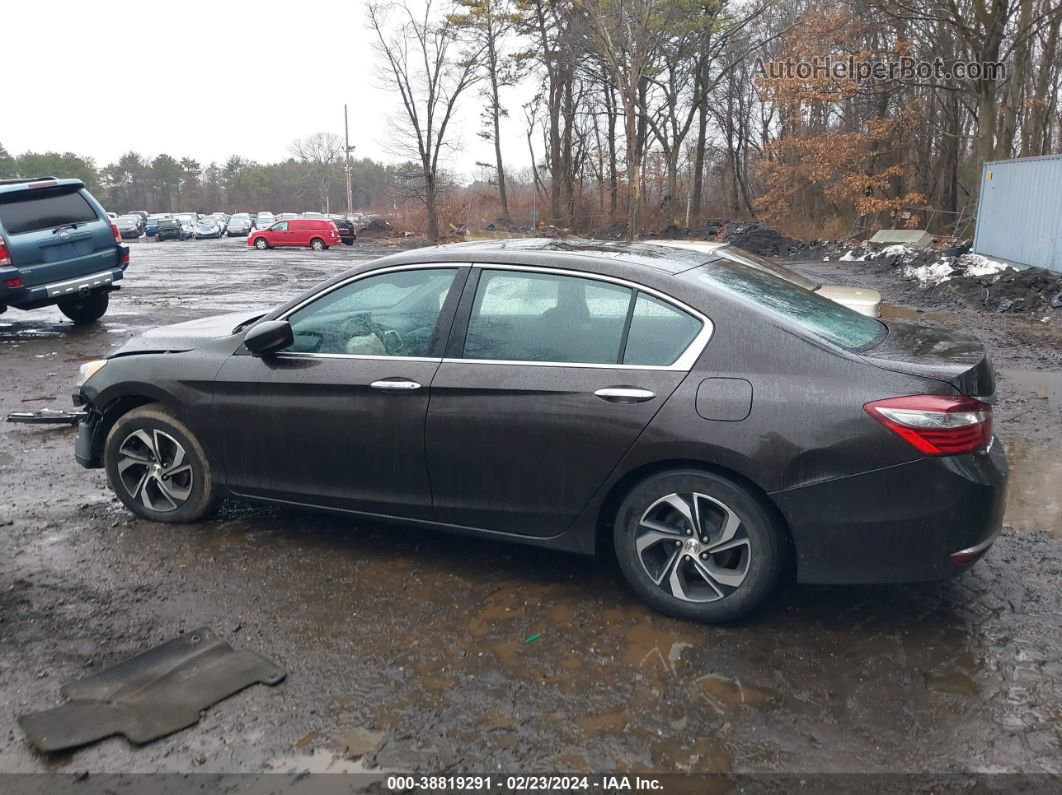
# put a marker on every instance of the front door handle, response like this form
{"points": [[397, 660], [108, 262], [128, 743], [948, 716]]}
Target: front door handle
{"points": [[396, 385], [625, 394]]}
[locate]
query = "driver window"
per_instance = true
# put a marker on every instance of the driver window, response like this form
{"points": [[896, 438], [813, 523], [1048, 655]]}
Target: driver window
{"points": [[393, 314], [281, 227]]}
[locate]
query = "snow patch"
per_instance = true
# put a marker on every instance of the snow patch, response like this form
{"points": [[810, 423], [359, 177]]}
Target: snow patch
{"points": [[933, 274], [976, 265]]}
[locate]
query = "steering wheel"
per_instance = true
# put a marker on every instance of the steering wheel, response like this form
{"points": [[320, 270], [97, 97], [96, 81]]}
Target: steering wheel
{"points": [[363, 325]]}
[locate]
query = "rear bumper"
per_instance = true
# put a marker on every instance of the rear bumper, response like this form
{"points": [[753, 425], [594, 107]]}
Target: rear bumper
{"points": [[919, 521], [45, 294]]}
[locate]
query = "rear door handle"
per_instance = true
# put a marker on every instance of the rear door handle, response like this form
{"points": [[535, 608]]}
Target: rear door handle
{"points": [[625, 394], [396, 385]]}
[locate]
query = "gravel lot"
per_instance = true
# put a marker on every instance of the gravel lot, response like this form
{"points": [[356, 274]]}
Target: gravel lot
{"points": [[410, 647]]}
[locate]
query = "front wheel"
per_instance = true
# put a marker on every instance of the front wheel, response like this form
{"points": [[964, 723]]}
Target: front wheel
{"points": [[317, 244], [157, 467], [261, 243], [698, 546], [85, 309]]}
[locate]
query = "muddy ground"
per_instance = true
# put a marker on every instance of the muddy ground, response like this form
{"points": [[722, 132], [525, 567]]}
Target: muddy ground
{"points": [[417, 649]]}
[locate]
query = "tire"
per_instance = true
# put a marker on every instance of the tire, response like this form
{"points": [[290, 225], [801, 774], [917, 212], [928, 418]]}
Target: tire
{"points": [[85, 309], [674, 570], [161, 488], [261, 243], [348, 242], [317, 244]]}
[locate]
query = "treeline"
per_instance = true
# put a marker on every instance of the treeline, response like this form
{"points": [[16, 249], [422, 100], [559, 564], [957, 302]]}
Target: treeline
{"points": [[653, 113], [165, 183]]}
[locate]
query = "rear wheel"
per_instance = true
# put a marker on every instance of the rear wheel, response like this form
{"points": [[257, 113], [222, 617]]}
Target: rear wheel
{"points": [[317, 244], [697, 546], [157, 467], [261, 243], [85, 308]]}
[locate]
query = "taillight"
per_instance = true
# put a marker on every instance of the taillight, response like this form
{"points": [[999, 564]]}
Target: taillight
{"points": [[117, 234], [5, 255], [14, 284], [936, 424]]}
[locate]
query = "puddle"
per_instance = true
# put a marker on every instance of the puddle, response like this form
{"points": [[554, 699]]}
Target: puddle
{"points": [[1034, 497], [893, 312], [1043, 384], [723, 692], [952, 683], [360, 741]]}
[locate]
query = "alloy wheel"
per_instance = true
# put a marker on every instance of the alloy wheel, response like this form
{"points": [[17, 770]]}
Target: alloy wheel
{"points": [[693, 547], [153, 469]]}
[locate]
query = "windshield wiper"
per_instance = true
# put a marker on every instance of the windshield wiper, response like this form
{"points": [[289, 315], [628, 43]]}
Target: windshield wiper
{"points": [[72, 225]]}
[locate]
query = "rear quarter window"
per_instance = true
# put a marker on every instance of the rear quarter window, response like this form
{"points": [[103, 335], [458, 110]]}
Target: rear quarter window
{"points": [[811, 312], [31, 211]]}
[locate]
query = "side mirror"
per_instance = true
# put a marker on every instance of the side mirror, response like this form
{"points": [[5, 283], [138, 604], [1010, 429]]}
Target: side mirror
{"points": [[269, 336]]}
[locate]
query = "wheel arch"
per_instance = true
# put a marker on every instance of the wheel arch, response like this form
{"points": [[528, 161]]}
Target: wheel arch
{"points": [[117, 406], [621, 488]]}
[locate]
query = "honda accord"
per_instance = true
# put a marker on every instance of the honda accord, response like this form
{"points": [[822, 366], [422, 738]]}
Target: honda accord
{"points": [[708, 422]]}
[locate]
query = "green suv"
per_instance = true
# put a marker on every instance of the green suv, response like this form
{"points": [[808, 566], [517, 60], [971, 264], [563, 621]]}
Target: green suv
{"points": [[57, 246]]}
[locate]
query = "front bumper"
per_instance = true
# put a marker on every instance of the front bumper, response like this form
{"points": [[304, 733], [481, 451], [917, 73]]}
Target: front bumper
{"points": [[86, 450], [924, 520]]}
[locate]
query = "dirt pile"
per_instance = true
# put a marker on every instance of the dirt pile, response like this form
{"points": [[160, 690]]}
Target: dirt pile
{"points": [[750, 235], [958, 280]]}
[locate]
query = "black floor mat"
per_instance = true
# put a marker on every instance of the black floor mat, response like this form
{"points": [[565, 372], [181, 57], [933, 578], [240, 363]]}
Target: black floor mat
{"points": [[151, 695]]}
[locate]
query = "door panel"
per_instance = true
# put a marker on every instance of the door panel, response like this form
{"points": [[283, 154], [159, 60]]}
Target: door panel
{"points": [[337, 419], [313, 430], [522, 448]]}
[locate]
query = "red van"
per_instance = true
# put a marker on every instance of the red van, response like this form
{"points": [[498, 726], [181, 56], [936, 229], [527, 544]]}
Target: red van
{"points": [[318, 235]]}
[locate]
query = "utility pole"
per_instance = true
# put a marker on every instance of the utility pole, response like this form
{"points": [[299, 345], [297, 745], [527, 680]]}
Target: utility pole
{"points": [[347, 149]]}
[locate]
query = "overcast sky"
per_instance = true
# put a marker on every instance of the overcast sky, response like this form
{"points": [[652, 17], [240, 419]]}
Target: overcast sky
{"points": [[204, 80]]}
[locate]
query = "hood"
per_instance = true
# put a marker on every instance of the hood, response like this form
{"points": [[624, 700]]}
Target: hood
{"points": [[956, 358], [188, 335]]}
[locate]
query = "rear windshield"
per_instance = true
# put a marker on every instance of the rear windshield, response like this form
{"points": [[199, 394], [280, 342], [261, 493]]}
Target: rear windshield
{"points": [[31, 211], [756, 261], [825, 319]]}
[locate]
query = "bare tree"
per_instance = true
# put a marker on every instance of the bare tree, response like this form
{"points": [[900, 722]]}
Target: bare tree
{"points": [[423, 63], [321, 151]]}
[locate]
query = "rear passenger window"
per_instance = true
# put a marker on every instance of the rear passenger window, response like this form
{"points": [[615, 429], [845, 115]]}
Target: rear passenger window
{"points": [[540, 317], [659, 332], [32, 211]]}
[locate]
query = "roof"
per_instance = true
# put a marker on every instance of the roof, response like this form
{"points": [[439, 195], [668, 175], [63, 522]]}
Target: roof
{"points": [[559, 253]]}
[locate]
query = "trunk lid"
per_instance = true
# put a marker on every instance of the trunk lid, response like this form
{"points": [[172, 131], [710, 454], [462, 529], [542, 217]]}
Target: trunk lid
{"points": [[952, 357]]}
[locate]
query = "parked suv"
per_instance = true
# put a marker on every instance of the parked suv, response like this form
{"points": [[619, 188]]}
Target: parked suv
{"points": [[57, 246], [169, 229], [318, 235], [347, 233]]}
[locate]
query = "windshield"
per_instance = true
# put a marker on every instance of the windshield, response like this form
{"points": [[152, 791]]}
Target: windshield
{"points": [[819, 316]]}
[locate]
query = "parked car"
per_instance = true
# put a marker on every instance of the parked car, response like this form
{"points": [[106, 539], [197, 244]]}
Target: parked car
{"points": [[240, 225], [207, 227], [188, 222], [151, 225], [707, 422], [287, 216], [57, 247], [129, 227], [318, 235], [264, 219], [863, 300], [347, 232], [170, 229]]}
